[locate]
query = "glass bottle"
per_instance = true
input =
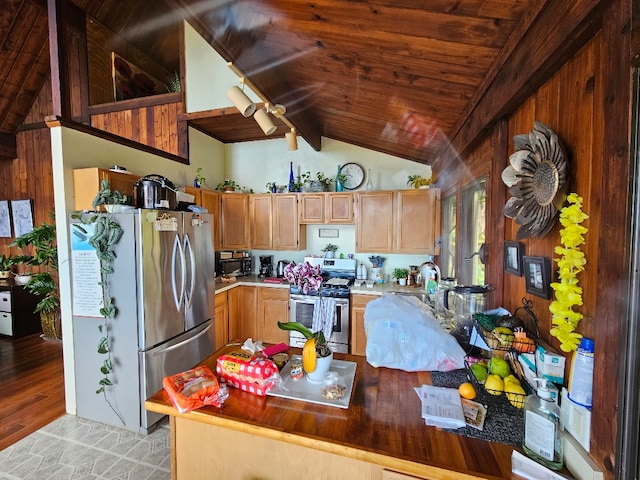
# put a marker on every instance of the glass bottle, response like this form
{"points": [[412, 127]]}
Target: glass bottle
{"points": [[369, 182], [338, 182], [291, 180]]}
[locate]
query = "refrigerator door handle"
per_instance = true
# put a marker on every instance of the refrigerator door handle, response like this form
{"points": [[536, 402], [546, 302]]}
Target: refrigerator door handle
{"points": [[177, 253], [192, 262], [162, 351]]}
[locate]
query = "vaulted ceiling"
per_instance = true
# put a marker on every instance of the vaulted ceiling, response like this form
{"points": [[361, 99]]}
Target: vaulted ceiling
{"points": [[404, 78]]}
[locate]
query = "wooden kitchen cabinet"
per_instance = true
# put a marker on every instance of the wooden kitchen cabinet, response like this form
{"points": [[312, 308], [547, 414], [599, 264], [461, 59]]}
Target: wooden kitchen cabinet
{"points": [[241, 305], [405, 221], [358, 336], [234, 215], [86, 184], [326, 208], [272, 306], [209, 199], [274, 222], [221, 320]]}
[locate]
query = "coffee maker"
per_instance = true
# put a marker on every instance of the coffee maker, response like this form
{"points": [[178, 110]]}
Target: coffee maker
{"points": [[266, 266]]}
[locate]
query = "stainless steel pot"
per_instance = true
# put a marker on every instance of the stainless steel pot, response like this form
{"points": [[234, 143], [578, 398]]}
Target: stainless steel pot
{"points": [[280, 267], [155, 191]]}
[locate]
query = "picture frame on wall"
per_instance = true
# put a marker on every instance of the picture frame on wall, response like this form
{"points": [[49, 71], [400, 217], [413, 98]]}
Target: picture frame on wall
{"points": [[537, 276], [513, 252], [22, 216]]}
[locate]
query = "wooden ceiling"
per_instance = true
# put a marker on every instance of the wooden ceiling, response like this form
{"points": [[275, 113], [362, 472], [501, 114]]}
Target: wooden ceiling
{"points": [[402, 78]]}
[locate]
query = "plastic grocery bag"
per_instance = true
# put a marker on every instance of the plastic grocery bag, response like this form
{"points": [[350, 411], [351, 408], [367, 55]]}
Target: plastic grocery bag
{"points": [[402, 333]]}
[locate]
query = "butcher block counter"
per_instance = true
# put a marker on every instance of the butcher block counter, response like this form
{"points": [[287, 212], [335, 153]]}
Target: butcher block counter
{"points": [[380, 436]]}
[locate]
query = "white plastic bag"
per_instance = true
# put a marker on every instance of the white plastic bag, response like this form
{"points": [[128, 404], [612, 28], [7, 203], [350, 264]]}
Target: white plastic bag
{"points": [[402, 333]]}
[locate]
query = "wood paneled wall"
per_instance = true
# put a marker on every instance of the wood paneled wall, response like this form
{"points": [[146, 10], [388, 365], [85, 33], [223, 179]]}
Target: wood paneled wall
{"points": [[587, 104]]}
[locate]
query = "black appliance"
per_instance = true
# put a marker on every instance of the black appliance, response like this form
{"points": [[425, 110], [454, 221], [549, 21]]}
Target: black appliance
{"points": [[238, 263], [266, 266], [155, 191]]}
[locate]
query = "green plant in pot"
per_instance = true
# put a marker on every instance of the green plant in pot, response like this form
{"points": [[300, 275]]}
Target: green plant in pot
{"points": [[322, 184], [227, 185], [42, 241], [6, 264], [330, 250], [401, 274], [418, 181]]}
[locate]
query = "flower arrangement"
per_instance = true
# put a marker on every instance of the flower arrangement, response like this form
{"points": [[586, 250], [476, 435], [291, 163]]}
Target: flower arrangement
{"points": [[572, 261], [303, 276]]}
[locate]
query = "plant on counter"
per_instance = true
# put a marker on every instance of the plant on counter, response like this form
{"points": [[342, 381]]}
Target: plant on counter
{"points": [[6, 263], [417, 181], [330, 248], [300, 182], [42, 239], [106, 234], [303, 276], [315, 346], [227, 185], [199, 181], [572, 261], [400, 273], [321, 184]]}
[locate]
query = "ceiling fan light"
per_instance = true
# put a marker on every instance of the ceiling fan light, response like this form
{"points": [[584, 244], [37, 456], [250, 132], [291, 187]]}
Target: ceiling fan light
{"points": [[240, 100], [263, 119], [292, 140]]}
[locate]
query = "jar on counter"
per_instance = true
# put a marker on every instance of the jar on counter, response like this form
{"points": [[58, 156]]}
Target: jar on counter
{"points": [[295, 368]]}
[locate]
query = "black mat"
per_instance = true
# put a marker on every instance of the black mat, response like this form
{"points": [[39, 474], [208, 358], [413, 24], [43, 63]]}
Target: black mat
{"points": [[504, 423]]}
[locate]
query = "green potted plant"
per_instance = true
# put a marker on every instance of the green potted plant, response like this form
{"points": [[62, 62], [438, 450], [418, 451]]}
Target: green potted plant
{"points": [[6, 264], [418, 181], [43, 283], [321, 184], [199, 181], [330, 250], [401, 275], [227, 185], [107, 198]]}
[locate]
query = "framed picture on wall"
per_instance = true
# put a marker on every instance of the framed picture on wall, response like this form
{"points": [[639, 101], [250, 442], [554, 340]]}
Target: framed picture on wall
{"points": [[537, 276], [513, 252], [22, 216]]}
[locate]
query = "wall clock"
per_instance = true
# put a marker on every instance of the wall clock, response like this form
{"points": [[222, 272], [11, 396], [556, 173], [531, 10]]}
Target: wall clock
{"points": [[354, 174]]}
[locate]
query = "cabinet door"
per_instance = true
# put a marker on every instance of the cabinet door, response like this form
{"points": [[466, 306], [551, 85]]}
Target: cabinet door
{"points": [[358, 337], [234, 210], [209, 199], [339, 208], [288, 234], [374, 225], [221, 321], [312, 207], [418, 221], [86, 184], [242, 313], [260, 212], [273, 306]]}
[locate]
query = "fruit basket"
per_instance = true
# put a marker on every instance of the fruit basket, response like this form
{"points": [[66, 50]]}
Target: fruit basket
{"points": [[506, 381]]}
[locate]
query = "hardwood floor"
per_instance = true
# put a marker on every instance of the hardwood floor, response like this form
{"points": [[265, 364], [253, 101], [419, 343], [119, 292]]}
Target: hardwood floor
{"points": [[31, 386]]}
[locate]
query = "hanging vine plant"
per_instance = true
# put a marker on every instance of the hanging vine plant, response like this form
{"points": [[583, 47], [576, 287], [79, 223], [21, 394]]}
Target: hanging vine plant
{"points": [[572, 261], [106, 234]]}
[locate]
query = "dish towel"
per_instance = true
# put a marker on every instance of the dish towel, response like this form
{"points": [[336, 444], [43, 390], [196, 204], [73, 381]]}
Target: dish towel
{"points": [[324, 316]]}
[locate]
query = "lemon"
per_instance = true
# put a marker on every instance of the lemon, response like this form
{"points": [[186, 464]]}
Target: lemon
{"points": [[494, 385], [466, 390], [515, 394], [511, 378]]}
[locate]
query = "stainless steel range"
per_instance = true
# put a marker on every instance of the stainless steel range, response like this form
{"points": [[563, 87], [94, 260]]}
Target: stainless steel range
{"points": [[338, 274]]}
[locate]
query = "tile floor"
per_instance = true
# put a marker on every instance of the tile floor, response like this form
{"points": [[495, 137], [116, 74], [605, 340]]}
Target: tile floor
{"points": [[72, 448]]}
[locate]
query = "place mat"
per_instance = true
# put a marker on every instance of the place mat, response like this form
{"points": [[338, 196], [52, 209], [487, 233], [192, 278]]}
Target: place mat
{"points": [[504, 423]]}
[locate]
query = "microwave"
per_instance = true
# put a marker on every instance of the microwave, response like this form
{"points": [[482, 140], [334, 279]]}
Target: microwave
{"points": [[237, 263]]}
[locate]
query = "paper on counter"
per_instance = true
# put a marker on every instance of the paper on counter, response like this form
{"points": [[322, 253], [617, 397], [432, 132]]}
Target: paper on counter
{"points": [[441, 406]]}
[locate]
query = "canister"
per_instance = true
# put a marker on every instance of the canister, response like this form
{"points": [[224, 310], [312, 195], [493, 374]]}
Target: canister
{"points": [[295, 368]]}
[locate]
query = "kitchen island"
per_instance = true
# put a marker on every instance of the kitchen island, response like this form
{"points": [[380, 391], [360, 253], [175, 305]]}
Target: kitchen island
{"points": [[380, 436]]}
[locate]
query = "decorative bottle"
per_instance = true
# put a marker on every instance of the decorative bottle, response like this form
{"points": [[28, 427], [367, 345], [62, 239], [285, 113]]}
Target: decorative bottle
{"points": [[291, 180], [542, 440], [338, 182], [369, 182]]}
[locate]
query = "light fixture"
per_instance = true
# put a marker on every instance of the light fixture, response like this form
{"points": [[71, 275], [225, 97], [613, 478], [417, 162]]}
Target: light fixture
{"points": [[292, 140], [263, 119], [241, 101]]}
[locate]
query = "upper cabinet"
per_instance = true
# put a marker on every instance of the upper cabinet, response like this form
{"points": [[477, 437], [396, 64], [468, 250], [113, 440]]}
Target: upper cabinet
{"points": [[274, 222], [209, 199], [234, 213], [326, 208], [86, 184], [404, 221]]}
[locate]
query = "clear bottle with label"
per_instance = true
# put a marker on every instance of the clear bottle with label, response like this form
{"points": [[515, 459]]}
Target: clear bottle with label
{"points": [[542, 440], [581, 374]]}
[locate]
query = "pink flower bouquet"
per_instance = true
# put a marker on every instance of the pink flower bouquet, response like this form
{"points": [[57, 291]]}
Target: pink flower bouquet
{"points": [[303, 276]]}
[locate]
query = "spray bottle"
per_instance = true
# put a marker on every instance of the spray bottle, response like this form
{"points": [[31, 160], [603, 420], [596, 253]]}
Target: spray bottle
{"points": [[542, 440], [581, 374]]}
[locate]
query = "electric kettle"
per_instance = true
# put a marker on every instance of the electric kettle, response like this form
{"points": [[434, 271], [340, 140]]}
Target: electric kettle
{"points": [[280, 267]]}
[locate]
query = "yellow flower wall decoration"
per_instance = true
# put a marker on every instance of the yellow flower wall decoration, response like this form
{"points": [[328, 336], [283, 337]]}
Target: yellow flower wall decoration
{"points": [[571, 262]]}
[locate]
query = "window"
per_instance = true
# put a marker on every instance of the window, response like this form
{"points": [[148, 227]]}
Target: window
{"points": [[448, 247], [473, 208]]}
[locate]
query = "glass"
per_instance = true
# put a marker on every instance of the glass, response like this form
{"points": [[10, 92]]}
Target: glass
{"points": [[369, 183]]}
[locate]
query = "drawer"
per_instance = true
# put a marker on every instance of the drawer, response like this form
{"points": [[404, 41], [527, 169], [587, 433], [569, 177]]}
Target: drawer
{"points": [[5, 324], [5, 301]]}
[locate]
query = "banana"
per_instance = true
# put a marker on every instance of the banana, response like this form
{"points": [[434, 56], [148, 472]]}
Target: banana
{"points": [[309, 355]]}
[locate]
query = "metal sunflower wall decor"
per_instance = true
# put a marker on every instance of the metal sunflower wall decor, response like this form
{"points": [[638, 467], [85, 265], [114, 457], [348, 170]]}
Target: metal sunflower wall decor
{"points": [[536, 178]]}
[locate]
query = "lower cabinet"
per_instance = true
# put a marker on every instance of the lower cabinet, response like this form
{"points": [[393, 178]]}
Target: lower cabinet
{"points": [[17, 317], [358, 336], [221, 321], [272, 306], [242, 313]]}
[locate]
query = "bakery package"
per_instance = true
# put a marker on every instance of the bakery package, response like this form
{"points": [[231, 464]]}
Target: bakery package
{"points": [[195, 388], [247, 372]]}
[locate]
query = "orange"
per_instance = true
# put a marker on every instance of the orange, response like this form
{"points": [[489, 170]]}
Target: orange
{"points": [[309, 355], [466, 390]]}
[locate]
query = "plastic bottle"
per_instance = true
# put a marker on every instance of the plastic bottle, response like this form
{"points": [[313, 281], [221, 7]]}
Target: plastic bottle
{"points": [[542, 440], [581, 374]]}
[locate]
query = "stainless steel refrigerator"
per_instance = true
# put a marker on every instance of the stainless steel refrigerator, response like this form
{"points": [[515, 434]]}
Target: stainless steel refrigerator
{"points": [[163, 287]]}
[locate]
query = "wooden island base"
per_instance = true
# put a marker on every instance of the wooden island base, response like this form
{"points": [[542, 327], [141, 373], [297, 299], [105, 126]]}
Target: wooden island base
{"points": [[380, 436]]}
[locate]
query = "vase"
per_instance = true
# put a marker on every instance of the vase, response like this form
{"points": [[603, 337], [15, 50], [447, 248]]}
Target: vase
{"points": [[322, 367], [369, 181], [291, 179], [339, 187], [329, 254]]}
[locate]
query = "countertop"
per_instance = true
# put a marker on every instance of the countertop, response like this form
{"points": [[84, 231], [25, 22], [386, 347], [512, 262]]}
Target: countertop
{"points": [[382, 425]]}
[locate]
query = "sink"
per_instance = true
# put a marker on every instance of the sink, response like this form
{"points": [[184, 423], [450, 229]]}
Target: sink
{"points": [[420, 295]]}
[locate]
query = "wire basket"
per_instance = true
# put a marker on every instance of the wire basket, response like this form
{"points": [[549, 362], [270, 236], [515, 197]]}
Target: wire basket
{"points": [[515, 399]]}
